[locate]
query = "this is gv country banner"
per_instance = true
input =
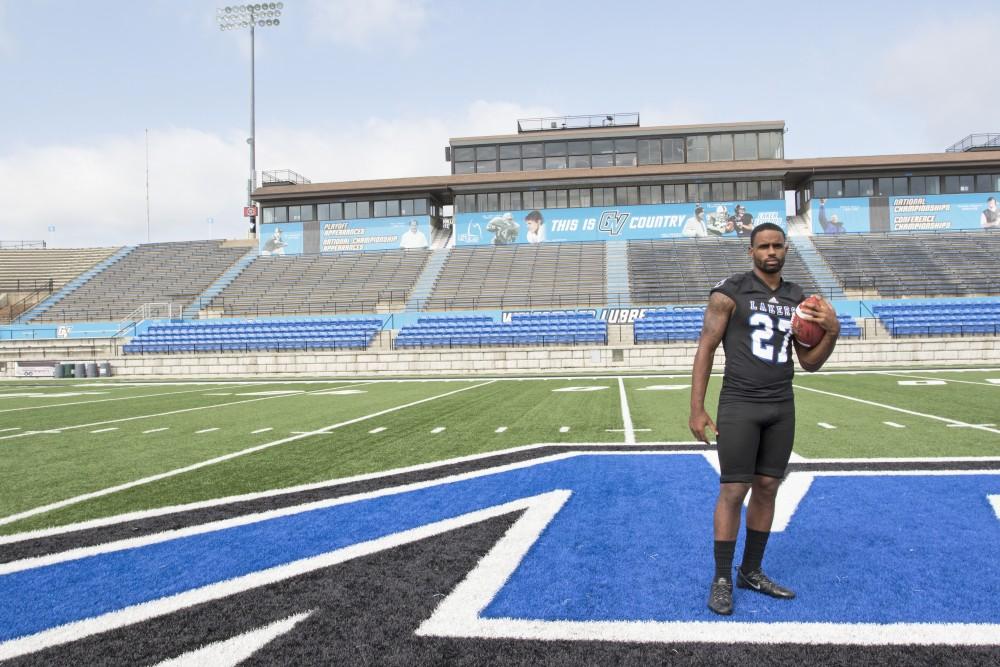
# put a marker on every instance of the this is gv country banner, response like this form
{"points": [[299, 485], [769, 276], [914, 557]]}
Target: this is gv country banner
{"points": [[913, 213], [652, 221]]}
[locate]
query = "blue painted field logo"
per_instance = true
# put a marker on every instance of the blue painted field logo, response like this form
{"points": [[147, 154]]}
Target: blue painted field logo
{"points": [[605, 546]]}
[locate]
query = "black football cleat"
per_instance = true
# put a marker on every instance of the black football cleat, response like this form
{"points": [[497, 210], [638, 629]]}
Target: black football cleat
{"points": [[720, 596], [756, 580]]}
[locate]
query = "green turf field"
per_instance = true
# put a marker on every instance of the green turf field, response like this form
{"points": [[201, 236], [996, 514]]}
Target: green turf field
{"points": [[71, 444]]}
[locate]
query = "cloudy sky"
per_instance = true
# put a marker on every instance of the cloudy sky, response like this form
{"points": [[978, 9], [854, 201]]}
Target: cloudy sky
{"points": [[372, 89]]}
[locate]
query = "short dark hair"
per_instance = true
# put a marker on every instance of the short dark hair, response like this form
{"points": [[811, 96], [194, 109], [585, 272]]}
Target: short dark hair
{"points": [[535, 216], [763, 227], [991, 199]]}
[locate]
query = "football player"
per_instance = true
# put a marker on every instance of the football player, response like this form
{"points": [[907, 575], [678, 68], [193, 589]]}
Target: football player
{"points": [[750, 314]]}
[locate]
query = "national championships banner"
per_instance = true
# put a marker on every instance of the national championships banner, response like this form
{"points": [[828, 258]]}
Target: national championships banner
{"points": [[913, 213], [652, 221], [326, 236], [375, 234]]}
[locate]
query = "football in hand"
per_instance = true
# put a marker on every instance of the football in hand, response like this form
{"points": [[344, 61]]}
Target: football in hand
{"points": [[806, 332]]}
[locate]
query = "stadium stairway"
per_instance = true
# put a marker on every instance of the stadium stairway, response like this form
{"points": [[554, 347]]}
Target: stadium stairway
{"points": [[227, 277], [424, 284], [616, 271], [817, 266], [73, 285]]}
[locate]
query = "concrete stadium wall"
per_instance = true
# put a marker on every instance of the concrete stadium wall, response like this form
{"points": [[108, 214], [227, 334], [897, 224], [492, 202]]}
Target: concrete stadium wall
{"points": [[853, 354]]}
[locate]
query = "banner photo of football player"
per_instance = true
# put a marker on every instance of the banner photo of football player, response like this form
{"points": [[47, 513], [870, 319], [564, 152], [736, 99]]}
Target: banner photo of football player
{"points": [[841, 215], [654, 221], [280, 238], [945, 212], [407, 233]]}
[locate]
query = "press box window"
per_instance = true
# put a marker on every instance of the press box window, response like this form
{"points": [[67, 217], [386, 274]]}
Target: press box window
{"points": [[674, 194], [531, 150], [745, 146], [649, 151], [650, 194], [697, 148], [721, 147], [556, 199], [673, 151], [747, 190], [301, 213]]}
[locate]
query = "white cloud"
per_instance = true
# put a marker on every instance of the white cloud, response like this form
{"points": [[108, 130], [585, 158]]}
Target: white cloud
{"points": [[94, 194], [369, 24], [944, 75]]}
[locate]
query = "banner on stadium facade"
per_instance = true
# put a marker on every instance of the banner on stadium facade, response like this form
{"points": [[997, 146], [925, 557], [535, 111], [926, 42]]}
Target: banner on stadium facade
{"points": [[375, 234], [913, 213], [652, 221], [282, 238], [327, 236]]}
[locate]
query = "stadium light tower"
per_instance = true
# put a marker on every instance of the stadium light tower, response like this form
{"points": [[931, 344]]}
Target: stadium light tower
{"points": [[239, 17]]}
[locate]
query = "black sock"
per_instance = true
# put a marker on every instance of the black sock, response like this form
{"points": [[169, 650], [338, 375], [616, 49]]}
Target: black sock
{"points": [[724, 551], [753, 550]]}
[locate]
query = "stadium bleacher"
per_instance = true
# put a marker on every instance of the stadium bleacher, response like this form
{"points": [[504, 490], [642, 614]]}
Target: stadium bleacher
{"points": [[529, 328], [940, 318], [914, 265], [676, 271], [270, 335], [152, 273], [549, 275], [347, 282], [668, 325], [35, 265]]}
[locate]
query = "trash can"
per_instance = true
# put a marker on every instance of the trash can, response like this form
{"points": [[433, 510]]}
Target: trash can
{"points": [[57, 370], [67, 370], [91, 369], [80, 371], [105, 369]]}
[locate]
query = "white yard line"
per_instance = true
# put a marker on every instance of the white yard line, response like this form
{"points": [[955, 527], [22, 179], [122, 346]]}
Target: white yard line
{"points": [[918, 377], [105, 430], [377, 430], [231, 652], [500, 429], [262, 430], [626, 414], [564, 429], [903, 410], [220, 459], [825, 425], [156, 430], [159, 414], [105, 400], [894, 424], [710, 456], [207, 430], [438, 429], [13, 428]]}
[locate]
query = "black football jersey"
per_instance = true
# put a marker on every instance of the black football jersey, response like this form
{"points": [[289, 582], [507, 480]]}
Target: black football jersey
{"points": [[758, 338]]}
